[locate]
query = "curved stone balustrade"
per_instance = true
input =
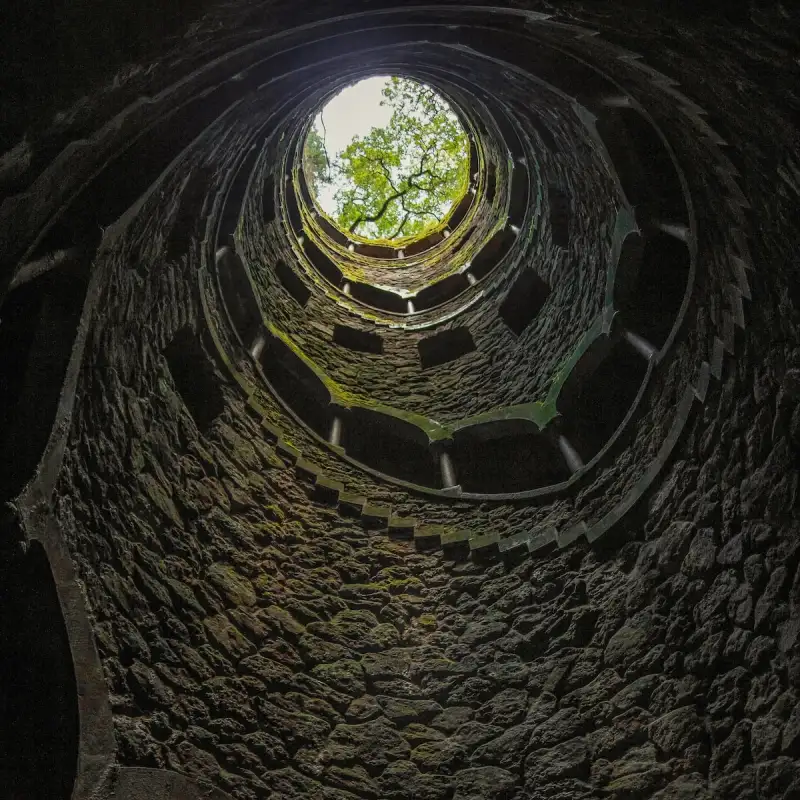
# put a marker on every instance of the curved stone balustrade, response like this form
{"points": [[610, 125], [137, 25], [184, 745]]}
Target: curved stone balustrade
{"points": [[592, 400], [185, 536]]}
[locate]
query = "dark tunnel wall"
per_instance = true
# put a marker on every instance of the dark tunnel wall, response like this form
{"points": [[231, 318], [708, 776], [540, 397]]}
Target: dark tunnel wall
{"points": [[294, 564]]}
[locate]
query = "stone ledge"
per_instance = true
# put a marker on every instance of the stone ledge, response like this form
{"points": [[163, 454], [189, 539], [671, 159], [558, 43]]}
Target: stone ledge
{"points": [[376, 516], [402, 527], [328, 490]]}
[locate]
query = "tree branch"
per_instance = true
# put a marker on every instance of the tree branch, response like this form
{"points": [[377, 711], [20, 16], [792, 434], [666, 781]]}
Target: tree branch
{"points": [[402, 224], [387, 174], [324, 138], [381, 211]]}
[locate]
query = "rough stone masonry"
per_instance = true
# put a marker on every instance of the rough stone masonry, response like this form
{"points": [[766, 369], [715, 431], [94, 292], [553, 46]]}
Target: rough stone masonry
{"points": [[202, 596]]}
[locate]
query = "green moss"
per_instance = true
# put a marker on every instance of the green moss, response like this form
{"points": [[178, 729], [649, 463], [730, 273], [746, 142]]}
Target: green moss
{"points": [[274, 512], [540, 413], [265, 584], [403, 585]]}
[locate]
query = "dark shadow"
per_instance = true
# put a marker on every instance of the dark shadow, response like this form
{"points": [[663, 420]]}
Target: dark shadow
{"points": [[492, 253], [268, 199], [322, 263], [39, 724], [305, 192], [232, 209], [524, 301], [544, 133], [491, 183], [188, 215], [628, 267], [39, 324], [507, 456], [378, 298], [462, 241], [519, 194], [460, 211], [415, 248], [643, 165], [391, 446], [560, 213], [238, 295], [332, 231], [445, 346], [599, 393], [292, 282], [509, 133], [296, 384], [46, 69], [126, 177], [474, 161], [61, 236], [195, 378], [440, 292], [293, 209], [354, 339], [376, 251], [650, 311], [568, 74]]}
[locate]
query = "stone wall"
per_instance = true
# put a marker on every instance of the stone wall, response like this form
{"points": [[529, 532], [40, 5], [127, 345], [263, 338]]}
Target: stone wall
{"points": [[264, 643]]}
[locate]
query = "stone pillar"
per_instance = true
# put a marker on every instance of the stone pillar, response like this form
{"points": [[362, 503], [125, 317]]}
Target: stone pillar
{"points": [[410, 307], [448, 470], [571, 456], [335, 437], [678, 230], [616, 101], [33, 269], [640, 345], [258, 345]]}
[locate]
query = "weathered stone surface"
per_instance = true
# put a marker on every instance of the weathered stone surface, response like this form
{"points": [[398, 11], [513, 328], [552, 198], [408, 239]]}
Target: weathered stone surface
{"points": [[567, 760], [627, 643], [442, 756], [507, 748], [507, 707], [452, 718], [402, 779], [676, 731], [404, 711], [265, 643], [346, 676], [687, 787], [483, 782], [373, 744]]}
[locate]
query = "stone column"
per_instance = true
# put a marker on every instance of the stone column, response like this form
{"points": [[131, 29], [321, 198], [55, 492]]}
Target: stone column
{"points": [[335, 436], [448, 470], [640, 344], [571, 456]]}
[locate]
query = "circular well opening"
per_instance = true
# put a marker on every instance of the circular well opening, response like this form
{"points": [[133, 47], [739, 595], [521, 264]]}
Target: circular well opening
{"points": [[387, 160]]}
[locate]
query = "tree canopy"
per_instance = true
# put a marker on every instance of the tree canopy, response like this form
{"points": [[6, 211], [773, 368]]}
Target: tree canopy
{"points": [[399, 180], [315, 161]]}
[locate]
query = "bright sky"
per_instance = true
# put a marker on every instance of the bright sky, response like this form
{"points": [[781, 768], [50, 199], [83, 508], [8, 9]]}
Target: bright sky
{"points": [[355, 110]]}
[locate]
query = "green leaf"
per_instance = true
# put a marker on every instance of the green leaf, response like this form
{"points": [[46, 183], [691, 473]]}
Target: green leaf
{"points": [[399, 181]]}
